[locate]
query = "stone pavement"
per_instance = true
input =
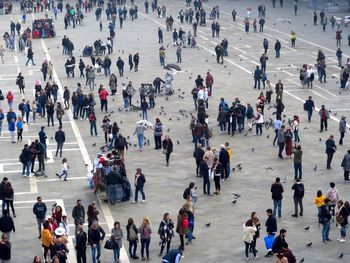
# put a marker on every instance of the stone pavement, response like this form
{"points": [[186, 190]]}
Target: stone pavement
{"points": [[222, 242]]}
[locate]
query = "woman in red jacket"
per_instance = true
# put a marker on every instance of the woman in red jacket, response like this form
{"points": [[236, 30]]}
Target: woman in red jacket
{"points": [[10, 99]]}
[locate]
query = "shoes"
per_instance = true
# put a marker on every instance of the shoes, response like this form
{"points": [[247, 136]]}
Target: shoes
{"points": [[133, 202], [143, 201], [16, 216], [328, 239], [295, 215], [57, 174], [135, 257], [301, 214], [341, 240]]}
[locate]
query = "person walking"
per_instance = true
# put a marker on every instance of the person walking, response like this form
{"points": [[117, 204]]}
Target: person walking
{"points": [[166, 233], [145, 236], [132, 238], [277, 196], [330, 150], [167, 148], [9, 196], [342, 129], [139, 183], [80, 245], [298, 196], [158, 132], [60, 138], [324, 116], [277, 124], [204, 172], [39, 210], [259, 120], [116, 237], [92, 120], [182, 226], [271, 228], [345, 164], [5, 249], [333, 197], [46, 241], [324, 218], [139, 131], [65, 168], [309, 106], [96, 236], [30, 56]]}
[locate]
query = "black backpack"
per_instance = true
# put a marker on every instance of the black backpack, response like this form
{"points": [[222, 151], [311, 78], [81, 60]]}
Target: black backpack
{"points": [[186, 193]]}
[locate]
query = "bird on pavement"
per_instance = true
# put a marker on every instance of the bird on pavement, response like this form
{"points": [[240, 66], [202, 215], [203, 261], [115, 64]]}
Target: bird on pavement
{"points": [[208, 225], [301, 260], [94, 145], [307, 228], [341, 255], [309, 244]]}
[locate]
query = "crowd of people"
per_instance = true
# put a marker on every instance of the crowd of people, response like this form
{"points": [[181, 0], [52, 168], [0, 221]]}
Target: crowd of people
{"points": [[109, 177]]}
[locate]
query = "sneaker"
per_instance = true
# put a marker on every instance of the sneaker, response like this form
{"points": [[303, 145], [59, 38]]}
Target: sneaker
{"points": [[341, 240], [295, 215], [143, 201], [134, 202], [23, 175], [57, 174]]}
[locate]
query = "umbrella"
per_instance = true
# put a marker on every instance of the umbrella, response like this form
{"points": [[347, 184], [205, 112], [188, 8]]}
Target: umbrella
{"points": [[172, 67], [145, 123]]}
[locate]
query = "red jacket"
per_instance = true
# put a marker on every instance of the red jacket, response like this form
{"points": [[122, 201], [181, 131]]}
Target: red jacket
{"points": [[103, 94], [9, 97], [209, 80]]}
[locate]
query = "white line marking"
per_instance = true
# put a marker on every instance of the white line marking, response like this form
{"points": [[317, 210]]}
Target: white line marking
{"points": [[244, 52]]}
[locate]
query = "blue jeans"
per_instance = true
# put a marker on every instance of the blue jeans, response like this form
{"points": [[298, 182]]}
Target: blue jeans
{"points": [[309, 114], [325, 230], [93, 127], [277, 205], [343, 231], [144, 115], [93, 252], [64, 173], [116, 253], [297, 171], [126, 102], [26, 166], [112, 194], [162, 61], [140, 140], [137, 190], [75, 110], [145, 244]]}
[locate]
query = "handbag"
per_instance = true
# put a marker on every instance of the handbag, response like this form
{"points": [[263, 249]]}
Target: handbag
{"points": [[109, 244], [340, 220], [2, 97], [165, 151]]}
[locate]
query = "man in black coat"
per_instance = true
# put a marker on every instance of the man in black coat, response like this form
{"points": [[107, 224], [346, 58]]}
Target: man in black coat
{"points": [[204, 172], [277, 190], [298, 196], [6, 223], [224, 159], [330, 150], [60, 139], [279, 242], [198, 155], [81, 245]]}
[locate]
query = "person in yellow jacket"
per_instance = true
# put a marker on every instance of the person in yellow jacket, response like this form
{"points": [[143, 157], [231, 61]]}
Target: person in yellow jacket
{"points": [[46, 240], [319, 200], [293, 37]]}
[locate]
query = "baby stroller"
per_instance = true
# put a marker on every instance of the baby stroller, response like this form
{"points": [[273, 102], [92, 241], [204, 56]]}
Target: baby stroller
{"points": [[87, 51]]}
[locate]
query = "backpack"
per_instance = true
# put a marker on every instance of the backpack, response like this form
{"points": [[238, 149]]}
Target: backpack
{"points": [[305, 106], [333, 196], [132, 234], [92, 117], [21, 157], [20, 106], [186, 193]]}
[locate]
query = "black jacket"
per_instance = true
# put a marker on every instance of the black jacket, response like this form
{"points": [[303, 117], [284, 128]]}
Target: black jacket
{"points": [[224, 157], [7, 224], [60, 136], [168, 145], [299, 190], [5, 251], [40, 210], [96, 235], [81, 240], [277, 190], [203, 169], [271, 225], [141, 180], [198, 154], [278, 244]]}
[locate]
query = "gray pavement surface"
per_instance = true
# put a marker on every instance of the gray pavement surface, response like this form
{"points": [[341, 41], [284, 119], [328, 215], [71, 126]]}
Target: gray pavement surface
{"points": [[222, 242]]}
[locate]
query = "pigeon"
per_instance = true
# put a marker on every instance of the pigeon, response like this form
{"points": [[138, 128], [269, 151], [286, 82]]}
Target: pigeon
{"points": [[135, 145], [225, 66], [177, 142], [315, 168], [246, 134], [307, 228], [269, 168], [285, 179], [309, 244], [306, 128], [168, 130], [208, 225], [320, 139], [301, 260], [170, 119], [121, 122], [93, 145], [253, 149], [128, 137], [236, 195], [341, 255], [86, 164], [234, 201], [268, 136], [233, 169]]}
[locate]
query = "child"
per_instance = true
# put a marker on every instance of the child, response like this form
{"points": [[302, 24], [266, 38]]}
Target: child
{"points": [[65, 168], [19, 126]]}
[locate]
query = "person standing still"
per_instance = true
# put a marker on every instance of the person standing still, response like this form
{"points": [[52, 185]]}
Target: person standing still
{"points": [[297, 160], [78, 214], [39, 210], [277, 195], [298, 196], [324, 116], [281, 141], [342, 129], [139, 183], [60, 139], [346, 166], [330, 150]]}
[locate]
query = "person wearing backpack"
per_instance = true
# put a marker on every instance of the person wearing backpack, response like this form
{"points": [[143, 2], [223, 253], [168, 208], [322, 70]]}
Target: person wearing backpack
{"points": [[324, 218], [132, 237], [333, 197]]}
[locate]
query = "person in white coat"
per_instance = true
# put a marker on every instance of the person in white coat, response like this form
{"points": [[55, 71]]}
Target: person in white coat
{"points": [[259, 120], [249, 230]]}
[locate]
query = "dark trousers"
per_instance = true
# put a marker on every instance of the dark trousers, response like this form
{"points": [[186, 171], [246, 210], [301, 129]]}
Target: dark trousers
{"points": [[329, 159], [59, 148], [166, 242], [224, 174], [249, 246], [346, 175], [256, 81], [206, 185], [341, 138], [137, 190], [145, 245], [323, 124], [258, 127], [217, 180], [49, 117], [298, 201], [182, 241], [104, 105], [197, 167], [158, 141], [132, 248], [81, 255], [297, 171], [280, 148], [41, 162]]}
